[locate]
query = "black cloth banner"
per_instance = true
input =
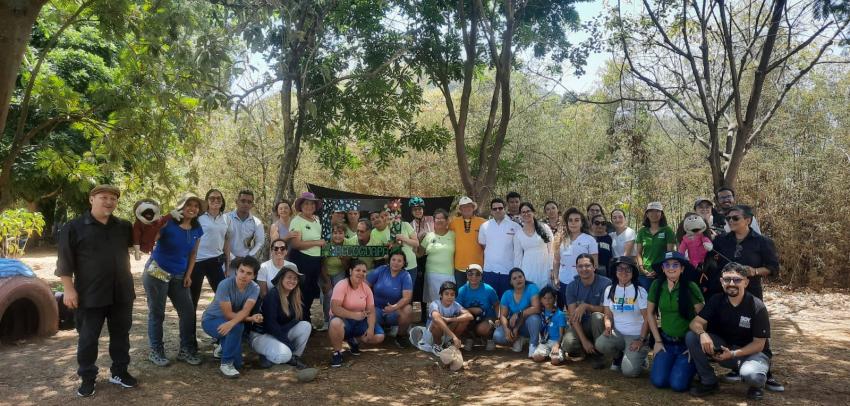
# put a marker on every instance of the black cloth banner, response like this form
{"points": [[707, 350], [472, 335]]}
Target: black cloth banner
{"points": [[355, 251]]}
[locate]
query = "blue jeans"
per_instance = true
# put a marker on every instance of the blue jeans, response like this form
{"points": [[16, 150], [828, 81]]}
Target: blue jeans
{"points": [[156, 291], [499, 282], [530, 329], [671, 367], [231, 344]]}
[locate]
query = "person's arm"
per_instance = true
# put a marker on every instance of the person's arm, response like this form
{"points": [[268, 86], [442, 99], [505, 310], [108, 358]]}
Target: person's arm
{"points": [[503, 321], [226, 250], [755, 346], [464, 315], [370, 319], [639, 256], [652, 321], [534, 308], [273, 232], [575, 323], [556, 262], [637, 343], [238, 317], [698, 326], [608, 321], [66, 265], [482, 236], [259, 238], [187, 278], [264, 289], [302, 245], [339, 311], [406, 297], [409, 239], [271, 310]]}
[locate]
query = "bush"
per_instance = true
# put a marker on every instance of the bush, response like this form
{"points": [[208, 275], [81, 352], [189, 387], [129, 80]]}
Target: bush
{"points": [[16, 227]]}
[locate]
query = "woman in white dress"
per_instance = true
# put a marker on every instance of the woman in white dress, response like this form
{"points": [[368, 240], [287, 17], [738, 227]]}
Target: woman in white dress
{"points": [[533, 247]]}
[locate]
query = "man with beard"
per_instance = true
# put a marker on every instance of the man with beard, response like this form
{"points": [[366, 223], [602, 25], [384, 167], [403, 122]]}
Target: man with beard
{"points": [[732, 330], [725, 202]]}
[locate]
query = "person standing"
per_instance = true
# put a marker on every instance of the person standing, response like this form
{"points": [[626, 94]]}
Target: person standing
{"points": [[652, 241], [533, 247], [306, 247], [422, 225], [497, 238], [466, 228], [514, 199], [604, 242], [280, 228], [247, 235], [439, 246], [726, 200], [572, 241], [623, 236], [94, 265], [214, 251], [552, 215]]}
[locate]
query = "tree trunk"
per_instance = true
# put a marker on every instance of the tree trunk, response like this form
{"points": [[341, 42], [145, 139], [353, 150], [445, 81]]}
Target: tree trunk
{"points": [[16, 22]]}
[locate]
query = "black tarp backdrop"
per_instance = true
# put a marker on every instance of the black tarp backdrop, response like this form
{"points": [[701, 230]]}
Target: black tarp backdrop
{"points": [[369, 203]]}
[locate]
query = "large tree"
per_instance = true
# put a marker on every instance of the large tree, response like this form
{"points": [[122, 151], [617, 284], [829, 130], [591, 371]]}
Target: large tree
{"points": [[723, 69]]}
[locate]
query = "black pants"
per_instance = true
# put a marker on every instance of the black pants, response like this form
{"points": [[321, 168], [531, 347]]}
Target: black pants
{"points": [[311, 267], [119, 318], [213, 270]]}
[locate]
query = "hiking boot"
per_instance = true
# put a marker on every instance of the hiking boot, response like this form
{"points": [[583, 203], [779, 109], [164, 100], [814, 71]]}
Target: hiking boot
{"points": [[353, 346], [296, 362], [700, 389], [336, 359], [402, 342], [755, 393], [773, 385], [124, 379], [157, 357], [229, 371], [189, 357], [264, 362], [732, 377], [86, 388]]}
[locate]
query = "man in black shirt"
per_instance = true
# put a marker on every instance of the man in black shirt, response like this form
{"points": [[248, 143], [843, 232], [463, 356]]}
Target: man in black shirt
{"points": [[94, 265], [746, 247], [732, 329]]}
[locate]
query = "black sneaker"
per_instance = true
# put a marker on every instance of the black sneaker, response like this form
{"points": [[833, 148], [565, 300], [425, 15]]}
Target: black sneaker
{"points": [[124, 379], [403, 342], [700, 389], [354, 347], [296, 362], [773, 385], [264, 362], [86, 388], [336, 359], [732, 377], [755, 393]]}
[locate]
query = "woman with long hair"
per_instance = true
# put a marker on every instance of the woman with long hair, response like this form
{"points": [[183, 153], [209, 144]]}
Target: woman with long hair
{"points": [[625, 319], [623, 236], [652, 241], [285, 332], [533, 247], [572, 241], [553, 215], [283, 216], [168, 274], [353, 314], [519, 314], [213, 254]]}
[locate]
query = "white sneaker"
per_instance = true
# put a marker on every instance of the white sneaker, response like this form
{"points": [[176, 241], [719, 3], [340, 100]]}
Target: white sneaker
{"points": [[216, 351], [229, 371], [468, 344], [517, 346], [531, 349]]}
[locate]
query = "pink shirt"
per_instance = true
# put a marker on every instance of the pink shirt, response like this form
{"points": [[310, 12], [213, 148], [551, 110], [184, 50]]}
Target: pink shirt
{"points": [[355, 300], [692, 246]]}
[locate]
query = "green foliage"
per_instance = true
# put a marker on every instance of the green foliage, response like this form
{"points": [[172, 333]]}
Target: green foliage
{"points": [[16, 227]]}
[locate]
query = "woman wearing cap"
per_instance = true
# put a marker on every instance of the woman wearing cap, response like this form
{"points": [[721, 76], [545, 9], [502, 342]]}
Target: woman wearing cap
{"points": [[168, 274], [676, 300], [439, 246], [623, 236], [652, 241], [532, 247], [306, 247], [285, 332], [572, 241], [353, 314], [704, 207], [519, 314], [599, 231], [625, 320]]}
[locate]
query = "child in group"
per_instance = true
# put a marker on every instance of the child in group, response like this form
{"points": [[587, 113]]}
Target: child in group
{"points": [[553, 327], [448, 319]]}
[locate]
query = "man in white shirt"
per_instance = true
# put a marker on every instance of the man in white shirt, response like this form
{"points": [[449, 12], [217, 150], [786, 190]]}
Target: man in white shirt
{"points": [[497, 237], [247, 235]]}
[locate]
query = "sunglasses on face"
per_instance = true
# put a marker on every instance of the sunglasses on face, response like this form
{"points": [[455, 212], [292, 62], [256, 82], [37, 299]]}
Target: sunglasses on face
{"points": [[671, 265], [473, 273], [733, 218], [731, 280], [497, 208], [598, 223], [278, 248]]}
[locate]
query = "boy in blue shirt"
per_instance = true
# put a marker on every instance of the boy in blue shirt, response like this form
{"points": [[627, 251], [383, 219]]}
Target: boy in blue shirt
{"points": [[553, 326], [481, 300]]}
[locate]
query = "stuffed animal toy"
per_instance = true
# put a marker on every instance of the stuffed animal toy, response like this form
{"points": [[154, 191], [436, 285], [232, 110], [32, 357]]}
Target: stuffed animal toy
{"points": [[694, 243], [146, 226], [451, 358]]}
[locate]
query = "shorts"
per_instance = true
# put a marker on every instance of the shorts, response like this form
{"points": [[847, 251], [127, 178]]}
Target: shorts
{"points": [[385, 319], [357, 328], [545, 350]]}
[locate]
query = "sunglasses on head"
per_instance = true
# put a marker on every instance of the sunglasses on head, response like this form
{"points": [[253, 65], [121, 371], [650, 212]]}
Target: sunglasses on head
{"points": [[278, 248], [733, 218], [731, 280]]}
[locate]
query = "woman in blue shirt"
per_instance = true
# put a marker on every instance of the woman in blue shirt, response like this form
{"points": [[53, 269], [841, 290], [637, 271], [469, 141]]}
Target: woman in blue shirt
{"points": [[392, 288], [519, 314], [168, 273]]}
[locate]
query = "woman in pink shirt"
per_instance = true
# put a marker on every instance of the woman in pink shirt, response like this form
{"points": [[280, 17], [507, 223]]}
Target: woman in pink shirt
{"points": [[353, 314]]}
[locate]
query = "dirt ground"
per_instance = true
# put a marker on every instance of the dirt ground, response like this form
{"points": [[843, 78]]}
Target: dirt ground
{"points": [[811, 340]]}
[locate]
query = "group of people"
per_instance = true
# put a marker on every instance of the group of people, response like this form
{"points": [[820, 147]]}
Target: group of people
{"points": [[574, 285]]}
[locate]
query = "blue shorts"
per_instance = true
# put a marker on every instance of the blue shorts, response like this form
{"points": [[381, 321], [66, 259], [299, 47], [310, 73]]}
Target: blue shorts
{"points": [[357, 328], [382, 319]]}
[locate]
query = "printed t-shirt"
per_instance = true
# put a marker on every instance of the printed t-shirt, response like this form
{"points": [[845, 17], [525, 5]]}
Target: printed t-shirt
{"points": [[310, 231], [626, 308], [440, 250], [654, 246]]}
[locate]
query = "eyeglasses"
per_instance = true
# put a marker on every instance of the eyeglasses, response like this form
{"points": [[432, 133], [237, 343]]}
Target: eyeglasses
{"points": [[497, 208], [624, 269], [526, 212], [671, 265], [732, 281], [733, 218], [278, 248], [598, 223]]}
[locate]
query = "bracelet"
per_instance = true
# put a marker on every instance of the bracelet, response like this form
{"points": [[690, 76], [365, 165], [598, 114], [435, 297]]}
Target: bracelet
{"points": [[734, 353]]}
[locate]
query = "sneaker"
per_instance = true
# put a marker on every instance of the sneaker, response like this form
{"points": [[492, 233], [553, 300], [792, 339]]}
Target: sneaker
{"points": [[517, 346], [86, 388], [468, 344], [216, 351], [615, 368], [189, 357], [732, 377], [491, 345], [575, 357], [263, 362], [336, 359], [437, 349], [700, 389], [229, 371], [323, 327], [296, 362], [402, 341], [157, 357], [354, 346], [531, 349], [124, 379], [773, 385], [755, 393]]}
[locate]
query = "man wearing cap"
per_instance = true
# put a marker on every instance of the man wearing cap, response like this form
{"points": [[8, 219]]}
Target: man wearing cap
{"points": [[94, 265], [732, 329], [466, 227], [246, 230], [725, 201], [497, 238], [482, 301]]}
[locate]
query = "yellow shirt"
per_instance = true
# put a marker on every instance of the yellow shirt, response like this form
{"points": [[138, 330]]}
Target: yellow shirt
{"points": [[467, 249]]}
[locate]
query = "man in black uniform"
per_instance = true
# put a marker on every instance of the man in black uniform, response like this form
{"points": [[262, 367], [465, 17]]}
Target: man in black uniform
{"points": [[732, 329], [94, 265]]}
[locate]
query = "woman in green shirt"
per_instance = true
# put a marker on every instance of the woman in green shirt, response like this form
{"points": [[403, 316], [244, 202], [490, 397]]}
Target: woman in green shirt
{"points": [[652, 241], [671, 365], [333, 271], [306, 246], [439, 246]]}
